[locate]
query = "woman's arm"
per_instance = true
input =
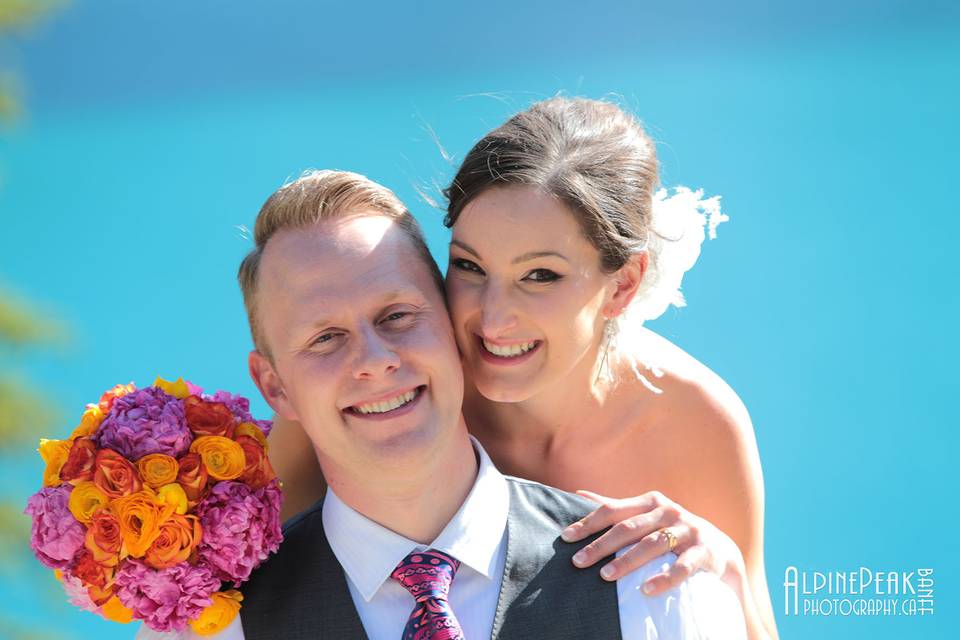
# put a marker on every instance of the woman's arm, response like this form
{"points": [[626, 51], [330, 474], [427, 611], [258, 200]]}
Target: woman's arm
{"points": [[293, 458]]}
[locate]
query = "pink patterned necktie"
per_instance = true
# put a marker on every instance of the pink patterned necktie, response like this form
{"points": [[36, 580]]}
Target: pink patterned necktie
{"points": [[427, 576]]}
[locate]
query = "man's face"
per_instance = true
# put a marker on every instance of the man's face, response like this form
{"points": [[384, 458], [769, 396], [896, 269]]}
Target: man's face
{"points": [[364, 353]]}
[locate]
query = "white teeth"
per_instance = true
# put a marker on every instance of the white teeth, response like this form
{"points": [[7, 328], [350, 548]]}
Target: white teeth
{"points": [[508, 352], [387, 405]]}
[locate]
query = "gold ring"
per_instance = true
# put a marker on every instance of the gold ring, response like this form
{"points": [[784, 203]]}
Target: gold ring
{"points": [[671, 539]]}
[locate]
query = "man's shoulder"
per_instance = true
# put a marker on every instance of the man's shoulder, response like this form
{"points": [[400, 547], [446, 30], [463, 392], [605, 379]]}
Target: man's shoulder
{"points": [[554, 503]]}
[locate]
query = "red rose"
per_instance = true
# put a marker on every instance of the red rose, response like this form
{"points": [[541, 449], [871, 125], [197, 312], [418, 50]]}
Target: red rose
{"points": [[193, 477], [91, 572], [257, 471], [208, 418], [80, 461]]}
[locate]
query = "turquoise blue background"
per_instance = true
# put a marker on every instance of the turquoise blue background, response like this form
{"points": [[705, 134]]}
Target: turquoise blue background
{"points": [[829, 301]]}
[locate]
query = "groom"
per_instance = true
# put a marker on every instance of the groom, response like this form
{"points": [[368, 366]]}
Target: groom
{"points": [[419, 536]]}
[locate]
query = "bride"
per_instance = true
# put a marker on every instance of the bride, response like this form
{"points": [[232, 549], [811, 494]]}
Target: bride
{"points": [[561, 247]]}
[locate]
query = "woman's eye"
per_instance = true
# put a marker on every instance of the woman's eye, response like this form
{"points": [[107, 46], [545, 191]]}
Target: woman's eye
{"points": [[542, 275], [466, 265]]}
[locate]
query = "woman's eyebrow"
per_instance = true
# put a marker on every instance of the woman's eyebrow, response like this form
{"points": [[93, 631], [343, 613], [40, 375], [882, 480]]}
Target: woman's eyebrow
{"points": [[466, 247], [526, 257], [532, 255]]}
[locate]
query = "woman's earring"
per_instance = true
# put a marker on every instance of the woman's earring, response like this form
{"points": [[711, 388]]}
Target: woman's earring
{"points": [[605, 371]]}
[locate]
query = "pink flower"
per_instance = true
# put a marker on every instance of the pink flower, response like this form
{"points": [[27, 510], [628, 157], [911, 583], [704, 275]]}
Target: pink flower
{"points": [[55, 535], [144, 422], [240, 407], [241, 527], [165, 599]]}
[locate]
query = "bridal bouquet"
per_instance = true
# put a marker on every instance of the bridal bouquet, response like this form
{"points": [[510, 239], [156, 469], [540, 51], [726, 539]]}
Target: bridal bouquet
{"points": [[159, 498]]}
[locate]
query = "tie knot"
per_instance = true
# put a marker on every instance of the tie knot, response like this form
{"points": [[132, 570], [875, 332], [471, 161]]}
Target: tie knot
{"points": [[427, 574]]}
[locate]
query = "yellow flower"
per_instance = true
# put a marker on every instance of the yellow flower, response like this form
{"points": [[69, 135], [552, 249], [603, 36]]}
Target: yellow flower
{"points": [[85, 499], [89, 422], [222, 457], [54, 453], [114, 610], [174, 495], [252, 430], [158, 469], [216, 617], [177, 389]]}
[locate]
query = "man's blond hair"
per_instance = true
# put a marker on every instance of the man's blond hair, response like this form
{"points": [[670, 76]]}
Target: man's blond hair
{"points": [[314, 197]]}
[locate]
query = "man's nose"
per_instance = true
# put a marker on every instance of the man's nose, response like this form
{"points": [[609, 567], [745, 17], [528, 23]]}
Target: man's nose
{"points": [[375, 356], [497, 311]]}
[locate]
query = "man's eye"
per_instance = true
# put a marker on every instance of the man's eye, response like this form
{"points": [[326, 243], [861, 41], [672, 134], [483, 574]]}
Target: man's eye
{"points": [[466, 265], [396, 315], [323, 338], [542, 275]]}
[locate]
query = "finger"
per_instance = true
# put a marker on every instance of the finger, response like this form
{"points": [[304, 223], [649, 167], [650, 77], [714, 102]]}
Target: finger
{"points": [[649, 547], [621, 535], [604, 516], [596, 497], [688, 563], [611, 512]]}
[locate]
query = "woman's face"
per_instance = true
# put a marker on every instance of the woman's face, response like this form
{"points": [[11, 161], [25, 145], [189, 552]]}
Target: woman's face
{"points": [[526, 293]]}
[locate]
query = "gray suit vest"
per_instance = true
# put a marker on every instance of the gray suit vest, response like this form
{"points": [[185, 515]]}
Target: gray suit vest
{"points": [[301, 592]]}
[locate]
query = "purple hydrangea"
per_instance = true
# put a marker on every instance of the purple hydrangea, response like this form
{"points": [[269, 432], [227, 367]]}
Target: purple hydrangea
{"points": [[240, 407], [241, 527], [144, 422], [55, 535], [165, 599]]}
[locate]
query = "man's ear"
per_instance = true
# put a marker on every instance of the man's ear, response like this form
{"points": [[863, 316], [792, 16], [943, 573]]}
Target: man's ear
{"points": [[626, 281], [271, 387]]}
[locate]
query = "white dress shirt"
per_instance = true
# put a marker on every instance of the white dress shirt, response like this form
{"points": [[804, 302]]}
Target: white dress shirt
{"points": [[702, 608]]}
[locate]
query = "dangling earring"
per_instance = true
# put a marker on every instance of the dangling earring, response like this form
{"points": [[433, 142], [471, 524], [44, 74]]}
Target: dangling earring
{"points": [[605, 372]]}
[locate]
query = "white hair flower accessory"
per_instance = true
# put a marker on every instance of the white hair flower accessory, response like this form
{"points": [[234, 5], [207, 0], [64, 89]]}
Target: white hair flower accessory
{"points": [[678, 225]]}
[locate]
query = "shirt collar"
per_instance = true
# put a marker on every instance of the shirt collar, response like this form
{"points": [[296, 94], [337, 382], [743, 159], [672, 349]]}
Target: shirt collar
{"points": [[370, 552]]}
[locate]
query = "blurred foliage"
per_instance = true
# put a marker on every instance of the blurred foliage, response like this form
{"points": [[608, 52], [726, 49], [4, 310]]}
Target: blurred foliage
{"points": [[16, 16], [24, 413]]}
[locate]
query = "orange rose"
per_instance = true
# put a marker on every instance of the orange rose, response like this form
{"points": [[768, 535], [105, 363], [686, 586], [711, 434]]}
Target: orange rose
{"points": [[114, 610], [178, 537], [219, 614], [140, 517], [103, 538], [158, 469], [85, 500], [106, 400], [193, 477], [208, 418], [89, 422], [91, 572], [257, 471], [222, 457], [80, 461], [115, 475], [54, 453], [252, 430]]}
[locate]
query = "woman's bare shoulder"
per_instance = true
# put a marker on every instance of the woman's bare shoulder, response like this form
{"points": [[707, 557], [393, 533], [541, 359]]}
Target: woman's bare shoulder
{"points": [[704, 428], [688, 391]]}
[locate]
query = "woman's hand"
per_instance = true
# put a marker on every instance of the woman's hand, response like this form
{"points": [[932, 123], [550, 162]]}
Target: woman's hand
{"points": [[640, 521]]}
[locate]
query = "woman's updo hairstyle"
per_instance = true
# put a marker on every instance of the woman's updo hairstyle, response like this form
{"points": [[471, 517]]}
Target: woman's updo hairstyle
{"points": [[592, 155]]}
